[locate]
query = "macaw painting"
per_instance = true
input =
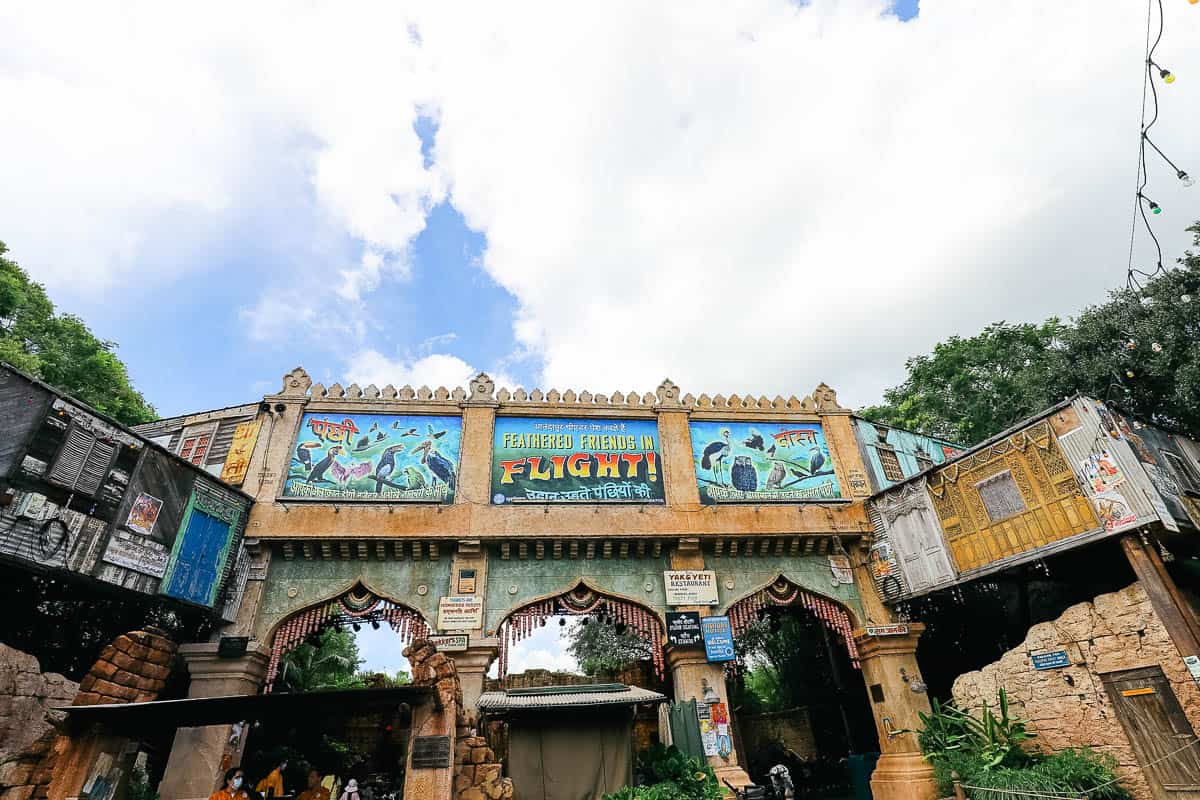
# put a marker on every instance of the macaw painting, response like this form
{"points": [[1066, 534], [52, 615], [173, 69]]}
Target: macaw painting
{"points": [[762, 462], [382, 457]]}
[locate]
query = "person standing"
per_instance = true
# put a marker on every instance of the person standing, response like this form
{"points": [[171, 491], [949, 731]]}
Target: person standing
{"points": [[315, 790], [231, 787], [272, 785]]}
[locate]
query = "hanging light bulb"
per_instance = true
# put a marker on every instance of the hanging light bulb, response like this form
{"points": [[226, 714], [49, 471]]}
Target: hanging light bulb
{"points": [[1185, 179], [1156, 347], [562, 622], [1155, 208], [1166, 75], [1128, 373]]}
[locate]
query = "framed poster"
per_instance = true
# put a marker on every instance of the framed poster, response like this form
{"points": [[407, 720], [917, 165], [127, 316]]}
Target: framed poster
{"points": [[389, 458], [762, 462], [568, 460], [143, 514]]}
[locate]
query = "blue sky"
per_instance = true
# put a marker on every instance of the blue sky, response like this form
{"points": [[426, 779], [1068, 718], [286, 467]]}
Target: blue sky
{"points": [[751, 199]]}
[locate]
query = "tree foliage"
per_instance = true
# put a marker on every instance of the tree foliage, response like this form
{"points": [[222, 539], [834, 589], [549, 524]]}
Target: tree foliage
{"points": [[605, 648], [1140, 351], [61, 350], [331, 663]]}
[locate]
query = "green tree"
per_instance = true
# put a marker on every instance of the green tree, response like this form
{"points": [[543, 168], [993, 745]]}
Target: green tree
{"points": [[332, 663], [61, 350], [602, 648], [1139, 350]]}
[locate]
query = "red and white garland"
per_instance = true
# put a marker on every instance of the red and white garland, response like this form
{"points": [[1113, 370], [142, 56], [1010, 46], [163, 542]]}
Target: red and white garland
{"points": [[744, 612]]}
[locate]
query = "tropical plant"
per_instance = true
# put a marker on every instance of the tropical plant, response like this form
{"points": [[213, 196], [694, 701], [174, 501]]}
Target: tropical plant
{"points": [[666, 773], [994, 741], [332, 663]]}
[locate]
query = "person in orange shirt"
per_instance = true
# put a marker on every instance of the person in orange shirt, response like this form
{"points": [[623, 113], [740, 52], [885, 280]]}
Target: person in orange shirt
{"points": [[231, 788], [315, 790], [272, 785]]}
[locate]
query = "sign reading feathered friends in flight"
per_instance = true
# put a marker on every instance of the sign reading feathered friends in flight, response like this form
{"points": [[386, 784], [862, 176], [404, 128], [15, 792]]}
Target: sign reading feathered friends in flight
{"points": [[382, 457], [762, 462], [557, 460]]}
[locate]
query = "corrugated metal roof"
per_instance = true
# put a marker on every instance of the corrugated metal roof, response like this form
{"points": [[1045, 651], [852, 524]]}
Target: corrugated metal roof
{"points": [[552, 697]]}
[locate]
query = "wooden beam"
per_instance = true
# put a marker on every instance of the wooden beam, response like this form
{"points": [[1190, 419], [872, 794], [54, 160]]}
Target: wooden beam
{"points": [[1162, 593]]}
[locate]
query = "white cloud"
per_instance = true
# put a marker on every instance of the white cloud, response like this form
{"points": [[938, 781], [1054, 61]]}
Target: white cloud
{"points": [[742, 197], [432, 370]]}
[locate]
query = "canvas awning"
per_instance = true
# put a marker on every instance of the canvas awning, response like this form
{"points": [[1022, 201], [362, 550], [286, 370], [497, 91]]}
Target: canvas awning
{"points": [[134, 719], [548, 698]]}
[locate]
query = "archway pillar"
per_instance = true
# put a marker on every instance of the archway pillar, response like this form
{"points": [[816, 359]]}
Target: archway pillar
{"points": [[689, 672], [897, 696], [199, 755], [472, 667]]}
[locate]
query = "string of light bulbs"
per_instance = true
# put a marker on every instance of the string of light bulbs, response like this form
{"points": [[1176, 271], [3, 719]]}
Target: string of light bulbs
{"points": [[1142, 203]]}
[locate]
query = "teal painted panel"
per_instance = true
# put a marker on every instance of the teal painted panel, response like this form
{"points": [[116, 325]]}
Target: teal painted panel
{"points": [[316, 580], [751, 573]]}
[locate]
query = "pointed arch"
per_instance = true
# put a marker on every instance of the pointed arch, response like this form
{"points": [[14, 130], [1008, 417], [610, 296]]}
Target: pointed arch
{"points": [[782, 591], [582, 599], [354, 606]]}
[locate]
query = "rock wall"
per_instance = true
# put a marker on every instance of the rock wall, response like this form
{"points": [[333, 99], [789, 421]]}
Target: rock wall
{"points": [[791, 729], [1116, 631], [26, 694]]}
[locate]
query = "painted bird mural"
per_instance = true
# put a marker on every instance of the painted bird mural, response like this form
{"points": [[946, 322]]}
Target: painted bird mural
{"points": [[386, 466], [742, 475], [816, 460], [776, 476], [344, 475], [714, 455], [438, 465], [755, 440], [413, 477], [317, 473], [304, 454], [363, 443], [432, 433]]}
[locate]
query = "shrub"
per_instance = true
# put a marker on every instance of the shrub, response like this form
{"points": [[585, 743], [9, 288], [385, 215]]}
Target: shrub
{"points": [[668, 774]]}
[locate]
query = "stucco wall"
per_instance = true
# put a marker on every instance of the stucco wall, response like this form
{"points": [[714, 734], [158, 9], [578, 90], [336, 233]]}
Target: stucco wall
{"points": [[1116, 631]]}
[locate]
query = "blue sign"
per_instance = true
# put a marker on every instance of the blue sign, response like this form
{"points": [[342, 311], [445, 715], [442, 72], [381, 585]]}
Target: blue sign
{"points": [[1055, 660], [718, 639]]}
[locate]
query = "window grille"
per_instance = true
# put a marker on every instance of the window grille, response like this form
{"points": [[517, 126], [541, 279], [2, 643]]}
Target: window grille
{"points": [[1001, 497], [890, 464]]}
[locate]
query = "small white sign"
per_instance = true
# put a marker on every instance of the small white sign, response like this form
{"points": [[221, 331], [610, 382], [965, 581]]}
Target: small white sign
{"points": [[900, 629], [460, 613], [449, 642], [691, 587], [841, 569], [146, 557]]}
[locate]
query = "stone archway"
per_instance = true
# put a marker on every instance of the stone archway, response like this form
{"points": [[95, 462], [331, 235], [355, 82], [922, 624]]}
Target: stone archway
{"points": [[783, 592], [582, 600], [356, 606]]}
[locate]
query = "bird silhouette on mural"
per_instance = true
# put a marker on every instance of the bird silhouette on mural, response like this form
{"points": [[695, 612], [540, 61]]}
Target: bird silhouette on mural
{"points": [[414, 478], [714, 455], [755, 440], [432, 433], [438, 465], [776, 476], [742, 474], [409, 432], [304, 454], [386, 466], [317, 473], [344, 475], [816, 460]]}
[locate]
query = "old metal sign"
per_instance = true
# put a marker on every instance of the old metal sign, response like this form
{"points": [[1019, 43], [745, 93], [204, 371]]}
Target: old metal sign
{"points": [[691, 587], [683, 629], [718, 639], [1055, 660], [1138, 692], [431, 752], [460, 613], [887, 630], [449, 642]]}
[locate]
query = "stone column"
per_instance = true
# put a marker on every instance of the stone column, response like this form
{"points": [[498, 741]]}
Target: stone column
{"points": [[689, 671], [195, 765], [472, 669], [897, 695]]}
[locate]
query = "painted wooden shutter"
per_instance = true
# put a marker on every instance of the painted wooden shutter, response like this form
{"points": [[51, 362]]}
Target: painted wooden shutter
{"points": [[83, 462]]}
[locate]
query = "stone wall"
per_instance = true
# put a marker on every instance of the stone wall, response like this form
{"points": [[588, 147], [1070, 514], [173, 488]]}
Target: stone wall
{"points": [[1116, 631], [26, 695], [791, 729]]}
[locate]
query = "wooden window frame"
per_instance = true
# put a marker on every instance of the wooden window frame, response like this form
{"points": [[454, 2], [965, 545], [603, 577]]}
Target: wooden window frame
{"points": [[883, 463], [1016, 492], [189, 439]]}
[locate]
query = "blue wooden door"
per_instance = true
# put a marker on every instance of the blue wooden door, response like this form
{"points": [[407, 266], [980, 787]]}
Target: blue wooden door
{"points": [[197, 567]]}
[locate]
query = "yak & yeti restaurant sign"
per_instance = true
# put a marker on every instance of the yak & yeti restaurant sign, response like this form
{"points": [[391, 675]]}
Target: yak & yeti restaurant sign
{"points": [[375, 457], [683, 629], [690, 587], [557, 460], [762, 462]]}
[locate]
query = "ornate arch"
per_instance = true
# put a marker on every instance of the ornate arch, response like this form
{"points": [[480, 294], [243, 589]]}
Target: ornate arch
{"points": [[783, 592], [355, 606], [579, 601]]}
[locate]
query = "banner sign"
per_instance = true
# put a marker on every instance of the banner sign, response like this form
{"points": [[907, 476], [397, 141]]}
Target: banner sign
{"points": [[140, 555], [459, 613], [1055, 660], [586, 460], [887, 630], [245, 435], [381, 457], [762, 462], [718, 639], [683, 629], [449, 642], [691, 587]]}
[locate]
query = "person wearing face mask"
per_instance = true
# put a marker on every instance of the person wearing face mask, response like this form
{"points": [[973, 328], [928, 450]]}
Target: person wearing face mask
{"points": [[231, 788]]}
